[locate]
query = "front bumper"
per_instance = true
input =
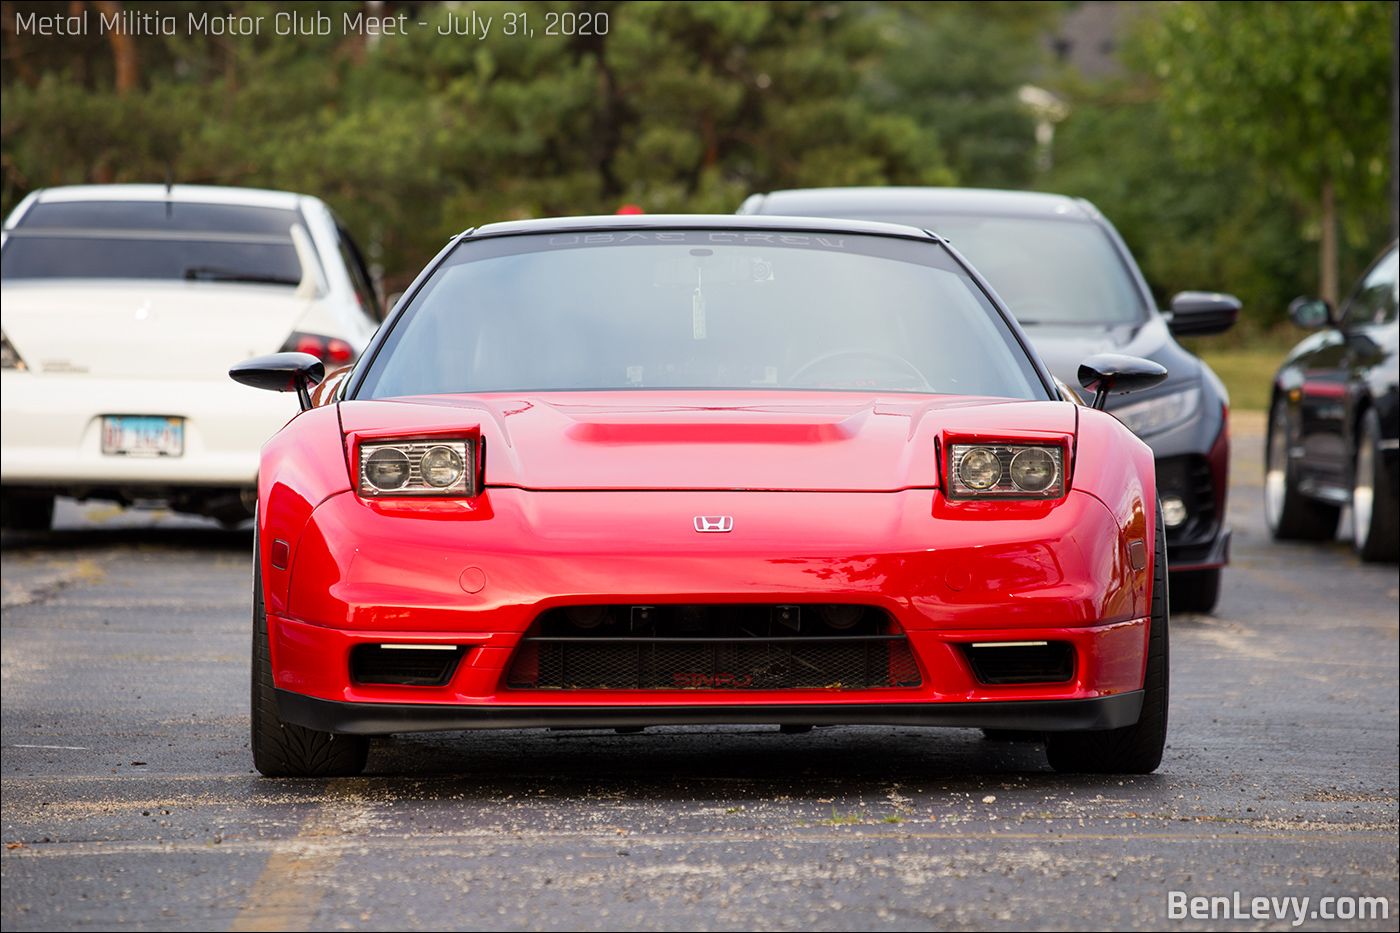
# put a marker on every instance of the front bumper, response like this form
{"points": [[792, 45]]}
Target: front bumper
{"points": [[949, 576], [1095, 713]]}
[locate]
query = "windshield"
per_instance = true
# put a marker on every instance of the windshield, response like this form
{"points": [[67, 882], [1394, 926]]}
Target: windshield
{"points": [[153, 240], [700, 309], [1047, 271]]}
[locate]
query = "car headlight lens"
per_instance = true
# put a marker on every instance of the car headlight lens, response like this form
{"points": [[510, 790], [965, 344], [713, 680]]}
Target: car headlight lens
{"points": [[387, 468], [1033, 469], [417, 468], [1006, 471], [442, 466], [979, 468], [1154, 415]]}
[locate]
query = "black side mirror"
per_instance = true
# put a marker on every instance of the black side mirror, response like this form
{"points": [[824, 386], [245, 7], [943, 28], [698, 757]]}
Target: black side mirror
{"points": [[282, 372], [1310, 313], [1113, 373], [1196, 314]]}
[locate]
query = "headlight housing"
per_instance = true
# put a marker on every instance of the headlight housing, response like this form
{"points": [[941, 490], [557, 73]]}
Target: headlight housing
{"points": [[1154, 415], [427, 467], [1006, 470]]}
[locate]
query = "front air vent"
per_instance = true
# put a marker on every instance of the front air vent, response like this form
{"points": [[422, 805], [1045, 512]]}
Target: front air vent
{"points": [[704, 647], [1021, 662], [405, 665]]}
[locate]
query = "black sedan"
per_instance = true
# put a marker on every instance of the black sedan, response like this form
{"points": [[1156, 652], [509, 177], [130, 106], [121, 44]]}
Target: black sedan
{"points": [[1071, 282], [1334, 422]]}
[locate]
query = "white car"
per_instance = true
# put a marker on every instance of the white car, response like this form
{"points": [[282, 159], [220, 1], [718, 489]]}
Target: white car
{"points": [[122, 309]]}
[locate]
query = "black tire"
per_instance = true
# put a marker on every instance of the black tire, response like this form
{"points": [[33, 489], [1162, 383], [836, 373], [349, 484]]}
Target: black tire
{"points": [[1135, 749], [1288, 513], [283, 749], [1195, 590], [1374, 506], [20, 512]]}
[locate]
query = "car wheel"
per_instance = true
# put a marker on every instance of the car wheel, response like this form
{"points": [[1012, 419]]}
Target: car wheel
{"points": [[1288, 513], [1195, 590], [283, 749], [19, 512], [1135, 749], [1374, 507]]}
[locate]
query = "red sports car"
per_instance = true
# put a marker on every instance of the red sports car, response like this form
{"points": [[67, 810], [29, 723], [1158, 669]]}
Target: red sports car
{"points": [[632, 471]]}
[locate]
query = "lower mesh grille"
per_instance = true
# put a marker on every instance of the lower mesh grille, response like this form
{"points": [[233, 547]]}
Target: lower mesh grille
{"points": [[406, 666], [716, 648]]}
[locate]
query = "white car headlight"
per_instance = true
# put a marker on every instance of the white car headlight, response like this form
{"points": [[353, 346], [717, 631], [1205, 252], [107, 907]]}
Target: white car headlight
{"points": [[1006, 471], [418, 468], [1154, 415]]}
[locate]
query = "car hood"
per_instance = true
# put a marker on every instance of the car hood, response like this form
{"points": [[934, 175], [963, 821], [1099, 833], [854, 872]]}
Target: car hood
{"points": [[146, 329], [712, 440], [1064, 347]]}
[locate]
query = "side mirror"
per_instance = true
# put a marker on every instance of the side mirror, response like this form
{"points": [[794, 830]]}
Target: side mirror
{"points": [[1310, 313], [1112, 373], [282, 372], [1195, 314]]}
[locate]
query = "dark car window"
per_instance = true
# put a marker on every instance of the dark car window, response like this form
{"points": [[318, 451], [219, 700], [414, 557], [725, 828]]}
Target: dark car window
{"points": [[158, 215], [153, 240], [1375, 299], [1047, 271], [700, 309]]}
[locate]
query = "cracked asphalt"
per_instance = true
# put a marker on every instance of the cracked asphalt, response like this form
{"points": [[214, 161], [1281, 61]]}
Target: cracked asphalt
{"points": [[129, 799]]}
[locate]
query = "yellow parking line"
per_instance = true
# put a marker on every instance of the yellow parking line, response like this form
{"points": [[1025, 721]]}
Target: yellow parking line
{"points": [[298, 873]]}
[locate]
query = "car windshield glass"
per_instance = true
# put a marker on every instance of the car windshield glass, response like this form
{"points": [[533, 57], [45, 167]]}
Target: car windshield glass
{"points": [[154, 240], [700, 309], [1047, 271]]}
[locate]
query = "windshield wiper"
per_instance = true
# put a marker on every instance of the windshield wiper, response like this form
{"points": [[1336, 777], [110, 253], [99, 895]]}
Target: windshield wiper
{"points": [[217, 274]]}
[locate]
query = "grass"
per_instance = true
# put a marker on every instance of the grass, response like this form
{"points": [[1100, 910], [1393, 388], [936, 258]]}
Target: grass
{"points": [[1246, 358], [1248, 374], [838, 820]]}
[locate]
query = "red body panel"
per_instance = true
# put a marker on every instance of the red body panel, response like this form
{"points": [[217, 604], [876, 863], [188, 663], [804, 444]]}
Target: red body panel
{"points": [[591, 499]]}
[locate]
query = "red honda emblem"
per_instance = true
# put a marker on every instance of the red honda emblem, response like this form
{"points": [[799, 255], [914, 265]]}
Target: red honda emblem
{"points": [[714, 523]]}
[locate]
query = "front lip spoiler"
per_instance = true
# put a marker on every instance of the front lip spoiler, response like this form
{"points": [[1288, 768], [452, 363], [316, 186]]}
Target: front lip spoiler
{"points": [[1201, 557], [1092, 714]]}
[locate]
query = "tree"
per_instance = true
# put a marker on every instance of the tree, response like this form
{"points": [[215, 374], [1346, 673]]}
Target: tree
{"points": [[1300, 88]]}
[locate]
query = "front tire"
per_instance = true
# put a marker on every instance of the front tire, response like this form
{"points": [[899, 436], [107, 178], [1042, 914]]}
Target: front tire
{"points": [[1374, 507], [1289, 513], [283, 749], [1135, 749]]}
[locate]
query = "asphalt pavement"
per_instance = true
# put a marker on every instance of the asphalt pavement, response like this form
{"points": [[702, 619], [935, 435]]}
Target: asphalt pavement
{"points": [[129, 799]]}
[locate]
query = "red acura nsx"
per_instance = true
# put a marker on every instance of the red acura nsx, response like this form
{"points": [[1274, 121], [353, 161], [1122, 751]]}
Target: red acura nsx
{"points": [[650, 470]]}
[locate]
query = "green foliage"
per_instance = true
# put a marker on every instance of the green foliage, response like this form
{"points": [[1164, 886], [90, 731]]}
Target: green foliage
{"points": [[1300, 88], [679, 107], [1209, 154], [956, 67], [1206, 155]]}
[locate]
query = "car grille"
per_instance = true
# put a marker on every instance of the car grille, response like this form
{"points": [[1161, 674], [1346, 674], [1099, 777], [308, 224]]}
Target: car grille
{"points": [[714, 648]]}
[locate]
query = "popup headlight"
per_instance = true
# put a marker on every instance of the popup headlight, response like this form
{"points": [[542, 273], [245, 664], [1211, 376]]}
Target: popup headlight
{"points": [[417, 468], [1006, 471]]}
